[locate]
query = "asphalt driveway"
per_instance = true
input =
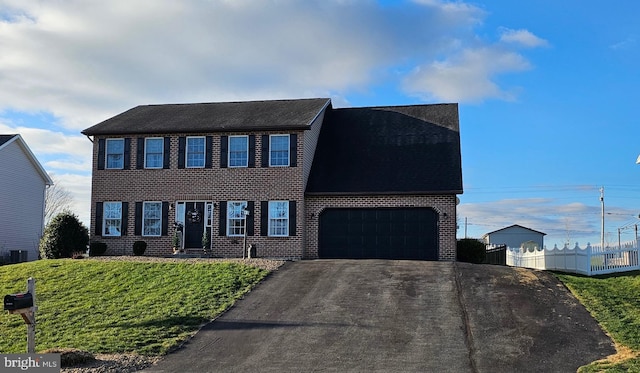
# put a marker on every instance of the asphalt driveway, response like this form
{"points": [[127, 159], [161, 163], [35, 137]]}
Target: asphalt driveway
{"points": [[397, 316]]}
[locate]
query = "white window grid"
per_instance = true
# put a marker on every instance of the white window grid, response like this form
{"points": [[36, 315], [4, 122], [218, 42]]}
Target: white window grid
{"points": [[153, 152], [238, 151], [279, 150], [112, 219], [114, 158], [152, 219], [195, 152], [278, 218], [236, 218]]}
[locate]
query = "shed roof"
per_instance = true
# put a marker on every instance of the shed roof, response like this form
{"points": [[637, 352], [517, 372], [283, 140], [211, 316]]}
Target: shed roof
{"points": [[513, 226]]}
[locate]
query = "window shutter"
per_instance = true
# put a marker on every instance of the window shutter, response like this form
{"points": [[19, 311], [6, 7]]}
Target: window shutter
{"points": [[165, 218], [293, 150], [166, 162], [264, 218], [292, 218], [101, 154], [125, 218], [138, 219], [98, 222], [182, 142], [208, 152], [252, 151], [250, 218], [265, 150], [127, 153], [222, 216], [224, 151], [140, 154]]}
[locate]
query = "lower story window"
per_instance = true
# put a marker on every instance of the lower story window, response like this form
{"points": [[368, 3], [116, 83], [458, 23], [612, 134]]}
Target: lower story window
{"points": [[152, 221], [236, 217], [112, 219], [278, 218]]}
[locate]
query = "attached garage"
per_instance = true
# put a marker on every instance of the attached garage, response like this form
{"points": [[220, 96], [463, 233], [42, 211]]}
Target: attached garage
{"points": [[378, 233]]}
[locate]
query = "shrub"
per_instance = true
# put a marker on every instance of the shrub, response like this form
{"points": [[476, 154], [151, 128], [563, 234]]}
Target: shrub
{"points": [[97, 248], [470, 250], [139, 247], [63, 236]]}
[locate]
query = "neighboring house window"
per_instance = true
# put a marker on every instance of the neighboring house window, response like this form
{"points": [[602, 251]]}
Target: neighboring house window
{"points": [[115, 154], [278, 218], [153, 152], [236, 218], [195, 153], [152, 219], [279, 150], [112, 219], [238, 151]]}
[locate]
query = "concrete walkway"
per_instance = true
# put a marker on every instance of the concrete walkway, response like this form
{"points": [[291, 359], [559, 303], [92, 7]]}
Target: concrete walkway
{"points": [[397, 316]]}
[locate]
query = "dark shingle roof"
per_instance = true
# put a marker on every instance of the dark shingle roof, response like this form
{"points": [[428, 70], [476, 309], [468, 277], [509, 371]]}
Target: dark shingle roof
{"points": [[213, 117], [383, 150], [5, 138]]}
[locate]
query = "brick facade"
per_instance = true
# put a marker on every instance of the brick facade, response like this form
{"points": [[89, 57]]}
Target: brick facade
{"points": [[444, 205], [205, 185]]}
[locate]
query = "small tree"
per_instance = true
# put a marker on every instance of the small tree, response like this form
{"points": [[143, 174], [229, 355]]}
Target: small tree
{"points": [[63, 236], [471, 250]]}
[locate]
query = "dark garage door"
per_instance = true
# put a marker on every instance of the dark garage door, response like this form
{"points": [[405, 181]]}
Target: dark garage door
{"points": [[379, 233]]}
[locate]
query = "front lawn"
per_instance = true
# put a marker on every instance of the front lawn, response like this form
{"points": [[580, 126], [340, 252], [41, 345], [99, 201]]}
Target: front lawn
{"points": [[614, 301], [120, 306]]}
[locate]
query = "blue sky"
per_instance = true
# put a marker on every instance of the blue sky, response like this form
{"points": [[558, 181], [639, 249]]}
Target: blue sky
{"points": [[546, 88]]}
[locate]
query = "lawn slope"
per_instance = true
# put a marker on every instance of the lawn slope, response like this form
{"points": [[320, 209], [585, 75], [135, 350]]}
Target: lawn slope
{"points": [[120, 306]]}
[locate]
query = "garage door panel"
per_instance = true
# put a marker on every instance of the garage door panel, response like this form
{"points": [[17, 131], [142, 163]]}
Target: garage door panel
{"points": [[385, 233]]}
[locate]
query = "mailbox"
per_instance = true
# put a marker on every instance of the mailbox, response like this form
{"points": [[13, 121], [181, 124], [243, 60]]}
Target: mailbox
{"points": [[18, 301]]}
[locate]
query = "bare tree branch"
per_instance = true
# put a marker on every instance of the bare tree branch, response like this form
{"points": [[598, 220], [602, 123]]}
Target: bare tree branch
{"points": [[57, 200]]}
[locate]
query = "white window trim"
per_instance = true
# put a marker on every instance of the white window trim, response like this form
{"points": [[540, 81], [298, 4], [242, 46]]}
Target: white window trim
{"points": [[106, 154], [288, 149], [269, 220], [144, 206], [229, 152], [186, 152], [161, 154], [104, 220], [244, 217]]}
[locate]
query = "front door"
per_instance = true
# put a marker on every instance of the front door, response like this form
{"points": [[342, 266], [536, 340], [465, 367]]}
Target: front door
{"points": [[194, 224]]}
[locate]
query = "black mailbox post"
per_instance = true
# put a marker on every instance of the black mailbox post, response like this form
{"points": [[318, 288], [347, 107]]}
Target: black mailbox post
{"points": [[18, 301]]}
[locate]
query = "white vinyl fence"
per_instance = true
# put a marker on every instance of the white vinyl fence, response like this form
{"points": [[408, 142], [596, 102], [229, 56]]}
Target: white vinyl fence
{"points": [[590, 260]]}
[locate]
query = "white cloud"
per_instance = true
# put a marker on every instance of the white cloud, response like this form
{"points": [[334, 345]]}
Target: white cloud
{"points": [[467, 76], [85, 61], [79, 186], [523, 37]]}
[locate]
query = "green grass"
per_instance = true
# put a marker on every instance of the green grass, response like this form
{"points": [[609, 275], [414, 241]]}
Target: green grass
{"points": [[614, 301], [119, 306]]}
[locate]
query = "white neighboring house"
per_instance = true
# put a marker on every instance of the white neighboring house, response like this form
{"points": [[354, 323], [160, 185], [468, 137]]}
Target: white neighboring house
{"points": [[515, 236], [23, 184]]}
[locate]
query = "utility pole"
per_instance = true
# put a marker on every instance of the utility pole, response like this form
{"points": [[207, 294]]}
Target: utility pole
{"points": [[602, 203], [465, 227]]}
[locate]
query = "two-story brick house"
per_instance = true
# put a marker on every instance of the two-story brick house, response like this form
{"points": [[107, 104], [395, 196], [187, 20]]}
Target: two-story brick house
{"points": [[298, 177]]}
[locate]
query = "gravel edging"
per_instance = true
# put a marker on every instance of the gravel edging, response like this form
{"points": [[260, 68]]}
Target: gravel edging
{"points": [[125, 363]]}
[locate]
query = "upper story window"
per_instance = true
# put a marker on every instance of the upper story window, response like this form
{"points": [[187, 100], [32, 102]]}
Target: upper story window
{"points": [[195, 152], [152, 219], [236, 217], [238, 151], [112, 219], [153, 152], [114, 154], [279, 150], [278, 218]]}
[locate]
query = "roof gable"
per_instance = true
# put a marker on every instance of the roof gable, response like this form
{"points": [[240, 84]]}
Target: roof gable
{"points": [[213, 117], [514, 226], [6, 140], [384, 150]]}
